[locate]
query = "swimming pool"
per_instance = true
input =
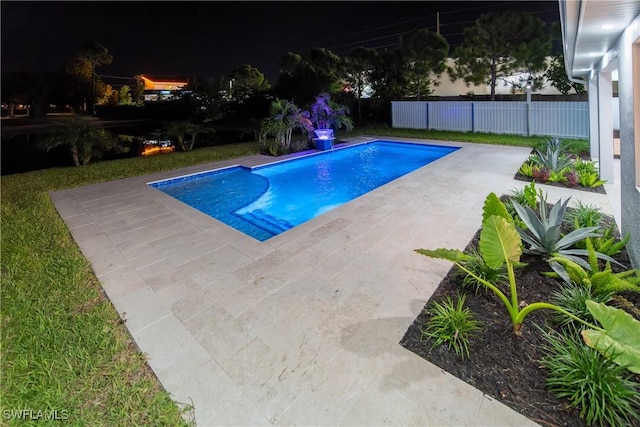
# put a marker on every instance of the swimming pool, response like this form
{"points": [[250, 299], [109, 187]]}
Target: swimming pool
{"points": [[265, 201]]}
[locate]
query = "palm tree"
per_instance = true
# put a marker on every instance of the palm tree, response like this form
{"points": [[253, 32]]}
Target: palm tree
{"points": [[186, 133], [284, 118], [85, 141], [328, 114]]}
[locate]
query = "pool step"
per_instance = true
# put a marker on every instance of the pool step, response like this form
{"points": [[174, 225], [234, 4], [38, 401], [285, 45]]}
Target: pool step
{"points": [[267, 222]]}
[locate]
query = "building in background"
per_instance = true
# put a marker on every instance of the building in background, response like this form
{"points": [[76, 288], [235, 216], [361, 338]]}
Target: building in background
{"points": [[162, 88]]}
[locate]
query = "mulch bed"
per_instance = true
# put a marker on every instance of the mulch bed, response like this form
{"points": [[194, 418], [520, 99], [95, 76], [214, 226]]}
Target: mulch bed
{"points": [[501, 364], [599, 189]]}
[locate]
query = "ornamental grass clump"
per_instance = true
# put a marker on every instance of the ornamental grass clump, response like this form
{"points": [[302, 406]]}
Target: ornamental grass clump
{"points": [[478, 266], [573, 298], [583, 215], [451, 324], [602, 390]]}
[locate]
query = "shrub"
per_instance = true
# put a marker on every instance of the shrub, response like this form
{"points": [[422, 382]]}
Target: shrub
{"points": [[572, 178], [500, 245], [284, 118], [541, 175], [527, 196], [584, 166], [590, 179], [451, 324], [603, 391], [478, 266], [328, 114], [583, 215], [544, 234], [527, 169], [573, 298], [608, 243], [558, 176], [85, 141], [598, 281]]}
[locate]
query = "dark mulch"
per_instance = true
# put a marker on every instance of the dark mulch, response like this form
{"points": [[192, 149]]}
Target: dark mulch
{"points": [[502, 364]]}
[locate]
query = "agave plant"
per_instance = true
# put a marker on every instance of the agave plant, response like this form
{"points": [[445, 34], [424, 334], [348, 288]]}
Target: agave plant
{"points": [[552, 158]]}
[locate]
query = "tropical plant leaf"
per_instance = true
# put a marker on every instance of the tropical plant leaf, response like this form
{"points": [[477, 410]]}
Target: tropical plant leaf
{"points": [[620, 340], [499, 242], [494, 206], [576, 236], [585, 253], [453, 255], [557, 211], [530, 219]]}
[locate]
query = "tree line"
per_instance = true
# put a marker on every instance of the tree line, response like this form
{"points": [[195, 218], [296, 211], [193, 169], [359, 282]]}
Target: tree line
{"points": [[498, 45]]}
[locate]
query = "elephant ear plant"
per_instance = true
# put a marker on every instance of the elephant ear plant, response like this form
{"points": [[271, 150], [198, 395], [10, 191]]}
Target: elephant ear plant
{"points": [[619, 337], [500, 245]]}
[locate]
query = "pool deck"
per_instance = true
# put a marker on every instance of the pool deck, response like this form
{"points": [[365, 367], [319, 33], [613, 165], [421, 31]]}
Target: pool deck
{"points": [[302, 329]]}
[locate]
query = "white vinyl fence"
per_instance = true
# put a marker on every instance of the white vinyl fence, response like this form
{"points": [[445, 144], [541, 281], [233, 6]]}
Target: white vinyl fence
{"points": [[562, 119]]}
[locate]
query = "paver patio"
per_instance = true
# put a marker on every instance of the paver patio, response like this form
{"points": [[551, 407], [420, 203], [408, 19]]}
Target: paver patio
{"points": [[302, 329]]}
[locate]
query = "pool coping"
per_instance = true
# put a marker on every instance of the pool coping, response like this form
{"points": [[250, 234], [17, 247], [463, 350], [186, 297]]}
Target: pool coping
{"points": [[304, 327]]}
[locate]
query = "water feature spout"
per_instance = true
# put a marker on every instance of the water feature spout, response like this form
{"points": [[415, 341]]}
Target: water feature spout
{"points": [[324, 139]]}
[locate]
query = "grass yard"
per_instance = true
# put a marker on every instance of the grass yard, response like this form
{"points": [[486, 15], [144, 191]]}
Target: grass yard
{"points": [[574, 145], [64, 347]]}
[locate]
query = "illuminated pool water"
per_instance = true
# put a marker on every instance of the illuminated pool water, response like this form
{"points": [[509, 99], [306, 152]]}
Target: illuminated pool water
{"points": [[267, 200]]}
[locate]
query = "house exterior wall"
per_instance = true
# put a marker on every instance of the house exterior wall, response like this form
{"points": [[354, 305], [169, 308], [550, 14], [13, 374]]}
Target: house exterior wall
{"points": [[629, 138]]}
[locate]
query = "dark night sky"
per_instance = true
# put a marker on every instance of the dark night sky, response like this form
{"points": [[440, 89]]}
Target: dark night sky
{"points": [[205, 39]]}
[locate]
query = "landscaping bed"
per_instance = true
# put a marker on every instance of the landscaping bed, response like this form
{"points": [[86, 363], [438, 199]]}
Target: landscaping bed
{"points": [[501, 364], [599, 189]]}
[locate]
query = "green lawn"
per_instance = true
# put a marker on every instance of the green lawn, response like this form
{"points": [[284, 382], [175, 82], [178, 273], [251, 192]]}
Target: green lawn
{"points": [[574, 145], [64, 346]]}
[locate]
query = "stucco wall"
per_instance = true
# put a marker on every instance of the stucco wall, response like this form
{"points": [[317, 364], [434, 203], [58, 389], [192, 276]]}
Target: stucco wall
{"points": [[630, 194], [458, 87]]}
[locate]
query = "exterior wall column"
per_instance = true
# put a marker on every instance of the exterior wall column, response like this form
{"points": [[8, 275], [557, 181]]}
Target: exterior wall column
{"points": [[594, 145], [605, 125], [629, 88]]}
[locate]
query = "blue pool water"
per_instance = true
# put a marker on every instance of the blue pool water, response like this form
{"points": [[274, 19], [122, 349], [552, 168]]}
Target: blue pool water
{"points": [[268, 200]]}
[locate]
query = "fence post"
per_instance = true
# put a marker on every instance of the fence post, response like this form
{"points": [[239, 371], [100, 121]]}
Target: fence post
{"points": [[529, 84], [427, 116], [473, 118]]}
